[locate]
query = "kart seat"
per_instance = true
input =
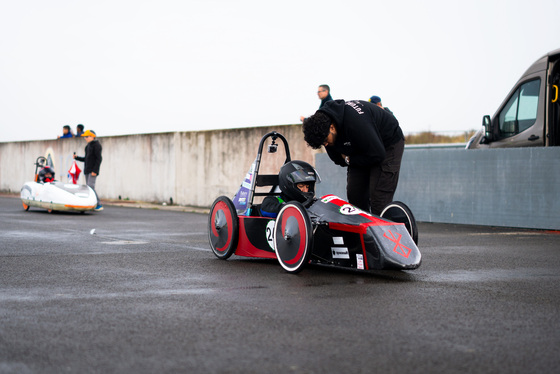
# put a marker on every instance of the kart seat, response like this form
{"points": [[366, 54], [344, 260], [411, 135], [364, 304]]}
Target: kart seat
{"points": [[264, 180]]}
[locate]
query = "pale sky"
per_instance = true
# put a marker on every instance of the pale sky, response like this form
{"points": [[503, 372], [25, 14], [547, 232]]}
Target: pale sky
{"points": [[133, 66]]}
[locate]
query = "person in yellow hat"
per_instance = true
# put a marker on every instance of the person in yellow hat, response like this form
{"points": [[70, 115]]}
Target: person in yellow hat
{"points": [[92, 162]]}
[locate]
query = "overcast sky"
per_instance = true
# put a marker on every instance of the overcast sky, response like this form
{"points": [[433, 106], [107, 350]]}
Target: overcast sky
{"points": [[133, 66]]}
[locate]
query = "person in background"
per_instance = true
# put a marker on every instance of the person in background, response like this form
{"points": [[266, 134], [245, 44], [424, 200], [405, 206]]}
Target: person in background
{"points": [[66, 132], [365, 138], [46, 175], [377, 101], [324, 94], [92, 162], [79, 130]]}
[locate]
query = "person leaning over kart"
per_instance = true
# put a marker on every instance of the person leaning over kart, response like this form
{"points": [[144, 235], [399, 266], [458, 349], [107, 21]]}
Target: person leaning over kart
{"points": [[365, 138], [46, 175], [297, 182]]}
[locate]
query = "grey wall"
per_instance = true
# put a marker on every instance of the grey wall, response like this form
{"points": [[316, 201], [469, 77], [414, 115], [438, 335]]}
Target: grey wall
{"points": [[192, 168], [517, 187]]}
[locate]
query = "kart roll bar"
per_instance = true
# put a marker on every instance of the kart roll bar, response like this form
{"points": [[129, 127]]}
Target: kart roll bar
{"points": [[265, 179], [39, 163], [272, 148]]}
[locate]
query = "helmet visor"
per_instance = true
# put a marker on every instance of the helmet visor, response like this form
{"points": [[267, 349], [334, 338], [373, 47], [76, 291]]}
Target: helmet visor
{"points": [[304, 176]]}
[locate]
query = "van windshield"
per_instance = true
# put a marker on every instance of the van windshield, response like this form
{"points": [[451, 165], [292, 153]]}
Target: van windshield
{"points": [[520, 112]]}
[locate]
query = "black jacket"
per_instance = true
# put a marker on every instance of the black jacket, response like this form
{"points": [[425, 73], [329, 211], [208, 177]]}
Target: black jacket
{"points": [[364, 131], [325, 100], [92, 159]]}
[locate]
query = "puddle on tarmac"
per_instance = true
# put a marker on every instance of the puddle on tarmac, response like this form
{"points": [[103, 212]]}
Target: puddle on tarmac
{"points": [[489, 275], [124, 242]]}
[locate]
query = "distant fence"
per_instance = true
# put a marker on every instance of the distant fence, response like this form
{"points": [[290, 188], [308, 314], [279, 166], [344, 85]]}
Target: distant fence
{"points": [[516, 187]]}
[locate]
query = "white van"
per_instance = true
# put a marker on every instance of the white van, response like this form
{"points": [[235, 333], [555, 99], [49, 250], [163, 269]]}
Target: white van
{"points": [[530, 114]]}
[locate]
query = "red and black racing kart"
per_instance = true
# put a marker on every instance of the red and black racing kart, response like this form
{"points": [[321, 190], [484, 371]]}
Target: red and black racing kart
{"points": [[328, 230]]}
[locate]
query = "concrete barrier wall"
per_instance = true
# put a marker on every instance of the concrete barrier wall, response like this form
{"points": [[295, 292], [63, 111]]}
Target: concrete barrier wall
{"points": [[192, 168], [503, 187], [517, 187]]}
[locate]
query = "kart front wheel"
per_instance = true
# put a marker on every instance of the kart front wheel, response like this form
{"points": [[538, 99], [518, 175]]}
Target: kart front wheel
{"points": [[25, 206], [293, 237], [223, 228], [398, 212]]}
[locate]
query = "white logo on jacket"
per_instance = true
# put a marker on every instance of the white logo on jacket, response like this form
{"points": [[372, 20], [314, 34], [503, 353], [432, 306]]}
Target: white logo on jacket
{"points": [[356, 106]]}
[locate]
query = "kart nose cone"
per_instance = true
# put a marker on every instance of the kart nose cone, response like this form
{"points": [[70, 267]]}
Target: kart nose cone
{"points": [[397, 249]]}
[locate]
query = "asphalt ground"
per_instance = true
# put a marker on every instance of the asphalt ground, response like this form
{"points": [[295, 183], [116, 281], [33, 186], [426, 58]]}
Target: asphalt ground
{"points": [[139, 291]]}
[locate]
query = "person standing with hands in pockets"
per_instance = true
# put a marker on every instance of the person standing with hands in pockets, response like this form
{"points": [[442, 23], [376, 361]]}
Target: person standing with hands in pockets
{"points": [[92, 162]]}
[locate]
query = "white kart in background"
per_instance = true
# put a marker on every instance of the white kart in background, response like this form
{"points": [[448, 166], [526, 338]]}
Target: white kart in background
{"points": [[56, 195]]}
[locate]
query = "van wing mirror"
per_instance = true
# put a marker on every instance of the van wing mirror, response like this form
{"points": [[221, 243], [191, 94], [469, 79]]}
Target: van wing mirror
{"points": [[488, 130]]}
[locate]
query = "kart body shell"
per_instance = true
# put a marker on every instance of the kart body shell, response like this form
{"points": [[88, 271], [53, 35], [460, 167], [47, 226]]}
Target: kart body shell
{"points": [[328, 230], [56, 195]]}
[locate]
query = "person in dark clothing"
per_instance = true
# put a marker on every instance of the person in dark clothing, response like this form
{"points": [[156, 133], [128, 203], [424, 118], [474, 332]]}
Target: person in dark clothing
{"points": [[66, 132], [324, 93], [92, 162], [297, 182], [79, 130], [377, 101], [366, 139]]}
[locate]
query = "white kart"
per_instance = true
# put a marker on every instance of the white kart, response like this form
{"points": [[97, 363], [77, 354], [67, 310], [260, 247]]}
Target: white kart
{"points": [[56, 195]]}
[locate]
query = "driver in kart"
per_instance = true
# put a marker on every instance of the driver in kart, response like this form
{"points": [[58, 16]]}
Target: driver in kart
{"points": [[297, 182], [46, 175]]}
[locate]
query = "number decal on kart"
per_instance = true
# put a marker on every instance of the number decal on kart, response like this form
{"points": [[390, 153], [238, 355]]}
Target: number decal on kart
{"points": [[349, 210], [269, 233]]}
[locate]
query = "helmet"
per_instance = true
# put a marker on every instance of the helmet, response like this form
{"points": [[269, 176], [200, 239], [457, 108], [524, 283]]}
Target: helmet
{"points": [[294, 172], [44, 171]]}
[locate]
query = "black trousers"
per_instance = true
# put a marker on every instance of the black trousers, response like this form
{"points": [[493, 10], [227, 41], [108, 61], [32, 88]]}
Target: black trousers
{"points": [[372, 188]]}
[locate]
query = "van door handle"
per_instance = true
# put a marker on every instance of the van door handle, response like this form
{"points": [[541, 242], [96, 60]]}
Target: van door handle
{"points": [[533, 138]]}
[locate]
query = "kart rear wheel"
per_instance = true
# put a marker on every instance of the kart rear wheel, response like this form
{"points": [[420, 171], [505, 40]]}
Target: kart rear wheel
{"points": [[223, 228], [398, 212], [293, 237], [25, 206]]}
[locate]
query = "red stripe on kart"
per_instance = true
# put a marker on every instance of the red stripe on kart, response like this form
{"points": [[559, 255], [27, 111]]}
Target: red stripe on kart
{"points": [[244, 246], [359, 229], [366, 267]]}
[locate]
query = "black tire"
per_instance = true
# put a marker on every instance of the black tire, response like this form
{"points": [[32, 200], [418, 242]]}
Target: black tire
{"points": [[223, 228], [398, 212], [293, 237]]}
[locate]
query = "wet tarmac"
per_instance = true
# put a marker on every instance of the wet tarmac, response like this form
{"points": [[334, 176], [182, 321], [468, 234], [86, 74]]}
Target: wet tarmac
{"points": [[138, 291]]}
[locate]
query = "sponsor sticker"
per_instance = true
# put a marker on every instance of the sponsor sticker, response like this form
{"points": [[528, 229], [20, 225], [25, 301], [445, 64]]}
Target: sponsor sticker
{"points": [[360, 261], [338, 240], [340, 253]]}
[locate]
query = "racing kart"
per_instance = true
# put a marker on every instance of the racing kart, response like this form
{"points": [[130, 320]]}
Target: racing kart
{"points": [[56, 195], [328, 230]]}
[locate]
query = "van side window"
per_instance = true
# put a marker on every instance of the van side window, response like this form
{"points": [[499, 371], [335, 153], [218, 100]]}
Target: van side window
{"points": [[520, 112]]}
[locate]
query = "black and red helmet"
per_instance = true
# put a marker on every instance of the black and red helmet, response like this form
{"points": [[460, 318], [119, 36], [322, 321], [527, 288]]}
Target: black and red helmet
{"points": [[294, 172], [43, 174]]}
